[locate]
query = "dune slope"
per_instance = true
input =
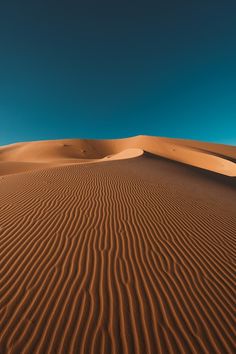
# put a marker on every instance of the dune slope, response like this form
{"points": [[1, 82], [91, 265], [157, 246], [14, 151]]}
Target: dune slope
{"points": [[213, 157], [134, 254]]}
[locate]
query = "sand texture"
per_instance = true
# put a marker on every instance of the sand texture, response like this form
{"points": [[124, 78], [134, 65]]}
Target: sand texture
{"points": [[117, 246]]}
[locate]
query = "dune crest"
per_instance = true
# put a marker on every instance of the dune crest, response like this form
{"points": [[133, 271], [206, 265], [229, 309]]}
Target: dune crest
{"points": [[212, 157]]}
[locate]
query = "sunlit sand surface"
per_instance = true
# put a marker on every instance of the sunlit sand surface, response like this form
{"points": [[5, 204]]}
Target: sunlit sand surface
{"points": [[117, 246]]}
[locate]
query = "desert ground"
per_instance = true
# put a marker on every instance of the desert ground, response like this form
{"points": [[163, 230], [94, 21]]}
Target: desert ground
{"points": [[117, 246]]}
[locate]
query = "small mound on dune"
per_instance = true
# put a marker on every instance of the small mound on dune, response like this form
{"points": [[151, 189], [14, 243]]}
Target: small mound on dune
{"points": [[125, 154]]}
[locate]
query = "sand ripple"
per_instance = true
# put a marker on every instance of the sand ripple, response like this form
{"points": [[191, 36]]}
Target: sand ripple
{"points": [[127, 256]]}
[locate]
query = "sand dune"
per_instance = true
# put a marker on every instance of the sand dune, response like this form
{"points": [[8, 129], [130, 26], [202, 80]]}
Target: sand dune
{"points": [[117, 246], [213, 157]]}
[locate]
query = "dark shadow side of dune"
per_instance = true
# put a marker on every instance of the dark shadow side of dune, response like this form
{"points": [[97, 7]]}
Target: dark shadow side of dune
{"points": [[195, 171]]}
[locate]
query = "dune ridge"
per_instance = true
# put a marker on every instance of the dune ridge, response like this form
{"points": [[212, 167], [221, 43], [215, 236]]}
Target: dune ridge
{"points": [[214, 157], [132, 253]]}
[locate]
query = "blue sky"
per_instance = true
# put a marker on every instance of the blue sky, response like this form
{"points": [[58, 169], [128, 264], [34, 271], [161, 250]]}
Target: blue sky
{"points": [[109, 69]]}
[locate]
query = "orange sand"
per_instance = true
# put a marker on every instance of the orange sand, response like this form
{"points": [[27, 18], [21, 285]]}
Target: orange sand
{"points": [[117, 246]]}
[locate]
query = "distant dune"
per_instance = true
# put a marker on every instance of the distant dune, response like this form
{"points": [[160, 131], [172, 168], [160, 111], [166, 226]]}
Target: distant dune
{"points": [[212, 157], [117, 246]]}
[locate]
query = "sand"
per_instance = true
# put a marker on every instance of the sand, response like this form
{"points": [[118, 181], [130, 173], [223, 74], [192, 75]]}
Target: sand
{"points": [[117, 246]]}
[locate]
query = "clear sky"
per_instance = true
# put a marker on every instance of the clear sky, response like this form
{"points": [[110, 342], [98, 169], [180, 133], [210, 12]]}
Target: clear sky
{"points": [[114, 68]]}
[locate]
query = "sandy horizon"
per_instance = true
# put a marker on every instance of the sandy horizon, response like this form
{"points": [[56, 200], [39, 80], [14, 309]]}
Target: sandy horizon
{"points": [[117, 246]]}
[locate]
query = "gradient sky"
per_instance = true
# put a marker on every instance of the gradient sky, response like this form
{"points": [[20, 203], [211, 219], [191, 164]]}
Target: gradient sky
{"points": [[108, 69]]}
